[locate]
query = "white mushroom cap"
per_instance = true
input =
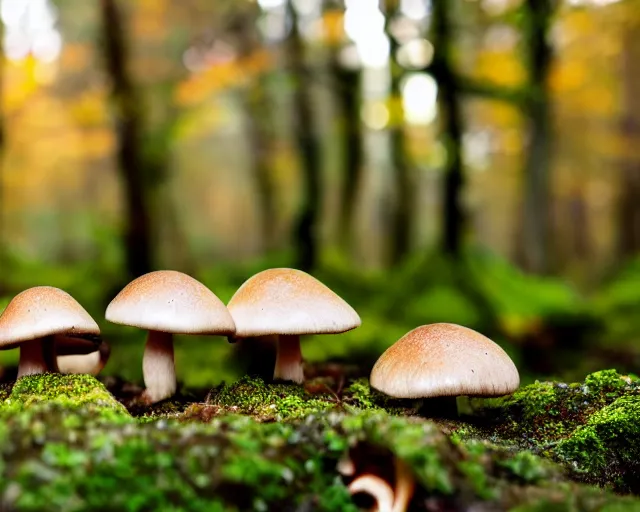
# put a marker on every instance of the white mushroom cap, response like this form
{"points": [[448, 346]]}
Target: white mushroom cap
{"points": [[444, 360], [42, 311], [289, 301], [172, 302]]}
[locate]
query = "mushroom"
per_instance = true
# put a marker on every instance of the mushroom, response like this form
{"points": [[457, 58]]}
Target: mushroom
{"points": [[289, 303], [32, 318], [392, 500], [165, 303], [405, 486], [377, 488], [74, 355], [442, 361]]}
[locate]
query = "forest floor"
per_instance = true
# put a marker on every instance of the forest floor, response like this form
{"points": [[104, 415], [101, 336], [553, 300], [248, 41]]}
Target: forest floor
{"points": [[75, 443]]}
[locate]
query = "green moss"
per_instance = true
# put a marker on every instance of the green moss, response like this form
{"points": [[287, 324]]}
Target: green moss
{"points": [[544, 413], [607, 447], [252, 396], [361, 394], [69, 391], [592, 427], [5, 391], [528, 467], [241, 459], [74, 459]]}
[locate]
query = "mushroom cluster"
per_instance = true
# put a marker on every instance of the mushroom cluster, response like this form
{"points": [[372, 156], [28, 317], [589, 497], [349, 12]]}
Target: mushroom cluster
{"points": [[436, 362], [56, 334]]}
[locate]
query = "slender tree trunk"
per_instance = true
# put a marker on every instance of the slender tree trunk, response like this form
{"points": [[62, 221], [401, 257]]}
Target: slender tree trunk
{"points": [[404, 213], [451, 126], [258, 118], [628, 204], [347, 87], [258, 114], [137, 237], [306, 227], [536, 201]]}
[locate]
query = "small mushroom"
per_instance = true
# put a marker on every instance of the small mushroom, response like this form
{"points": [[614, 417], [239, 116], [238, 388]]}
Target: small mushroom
{"points": [[165, 303], [32, 318], [75, 356], [405, 486], [377, 488], [289, 303], [396, 499], [442, 361]]}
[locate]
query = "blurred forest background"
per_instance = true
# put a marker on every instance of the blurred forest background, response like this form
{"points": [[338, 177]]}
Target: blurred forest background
{"points": [[471, 161]]}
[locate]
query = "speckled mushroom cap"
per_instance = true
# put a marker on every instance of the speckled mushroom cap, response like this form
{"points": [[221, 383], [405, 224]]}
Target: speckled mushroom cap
{"points": [[42, 311], [289, 301], [170, 301], [444, 360]]}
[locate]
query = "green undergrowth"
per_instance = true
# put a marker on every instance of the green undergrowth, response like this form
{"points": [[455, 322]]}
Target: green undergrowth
{"points": [[592, 427], [278, 402], [58, 459], [5, 391], [68, 391], [67, 443]]}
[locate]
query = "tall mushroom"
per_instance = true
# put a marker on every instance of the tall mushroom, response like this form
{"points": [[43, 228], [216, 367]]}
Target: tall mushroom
{"points": [[31, 320], [442, 361], [289, 303], [165, 303]]}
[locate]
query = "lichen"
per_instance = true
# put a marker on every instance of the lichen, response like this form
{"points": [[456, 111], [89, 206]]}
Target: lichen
{"points": [[68, 391]]}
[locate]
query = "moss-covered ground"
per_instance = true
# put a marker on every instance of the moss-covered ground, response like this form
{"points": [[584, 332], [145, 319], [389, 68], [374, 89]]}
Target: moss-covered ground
{"points": [[66, 443]]}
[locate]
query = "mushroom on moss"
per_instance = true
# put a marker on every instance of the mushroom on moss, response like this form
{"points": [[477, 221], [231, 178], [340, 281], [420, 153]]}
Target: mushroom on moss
{"points": [[167, 302], [377, 488], [442, 361], [74, 355], [31, 320], [289, 303]]}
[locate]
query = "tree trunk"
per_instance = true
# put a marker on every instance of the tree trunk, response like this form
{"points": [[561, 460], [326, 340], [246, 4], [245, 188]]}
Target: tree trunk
{"points": [[451, 127], [629, 206], [258, 118], [536, 201], [137, 236], [306, 226], [403, 214], [258, 115], [347, 87]]}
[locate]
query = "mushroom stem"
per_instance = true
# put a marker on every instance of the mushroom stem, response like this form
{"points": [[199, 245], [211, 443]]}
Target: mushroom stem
{"points": [[289, 359], [377, 488], [405, 486], [50, 356], [32, 358], [158, 368], [445, 407]]}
